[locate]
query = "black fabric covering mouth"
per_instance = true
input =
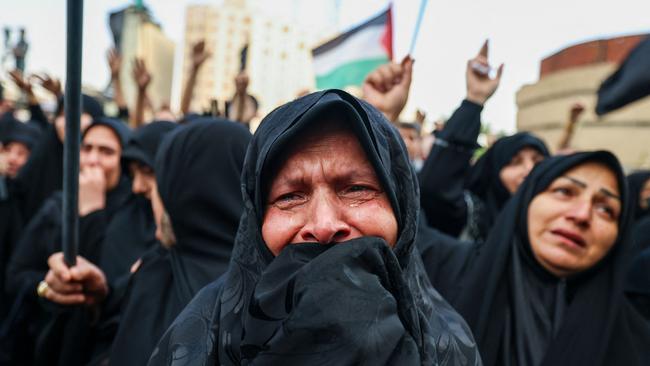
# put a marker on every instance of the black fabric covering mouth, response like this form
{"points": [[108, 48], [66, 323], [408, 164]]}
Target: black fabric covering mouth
{"points": [[356, 302], [144, 142], [522, 314]]}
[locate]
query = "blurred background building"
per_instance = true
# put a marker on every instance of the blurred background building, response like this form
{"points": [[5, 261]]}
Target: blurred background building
{"points": [[572, 75], [278, 60], [138, 35]]}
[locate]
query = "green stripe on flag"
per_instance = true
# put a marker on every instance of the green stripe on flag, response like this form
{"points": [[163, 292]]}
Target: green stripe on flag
{"points": [[352, 73]]}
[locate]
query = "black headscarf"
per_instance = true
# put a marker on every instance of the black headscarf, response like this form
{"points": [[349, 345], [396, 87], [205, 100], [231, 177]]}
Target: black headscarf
{"points": [[69, 335], [26, 133], [636, 181], [144, 142], [484, 180], [360, 302], [198, 169], [43, 173], [522, 315]]}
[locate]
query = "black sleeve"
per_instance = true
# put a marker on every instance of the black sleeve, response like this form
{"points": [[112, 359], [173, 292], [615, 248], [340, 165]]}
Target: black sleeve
{"points": [[123, 113], [92, 230], [443, 175], [446, 259], [38, 116], [28, 264]]}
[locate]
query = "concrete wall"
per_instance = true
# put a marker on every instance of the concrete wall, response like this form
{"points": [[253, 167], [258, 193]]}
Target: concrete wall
{"points": [[572, 75]]}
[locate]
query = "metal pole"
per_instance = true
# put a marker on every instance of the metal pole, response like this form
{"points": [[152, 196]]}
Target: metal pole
{"points": [[70, 232]]}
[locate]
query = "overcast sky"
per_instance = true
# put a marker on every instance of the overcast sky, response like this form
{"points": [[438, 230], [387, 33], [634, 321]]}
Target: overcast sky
{"points": [[522, 32]]}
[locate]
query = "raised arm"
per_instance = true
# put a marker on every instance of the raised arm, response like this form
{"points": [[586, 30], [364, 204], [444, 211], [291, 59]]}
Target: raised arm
{"points": [[199, 55], [142, 79], [115, 65], [387, 87], [442, 178], [564, 145], [25, 85]]}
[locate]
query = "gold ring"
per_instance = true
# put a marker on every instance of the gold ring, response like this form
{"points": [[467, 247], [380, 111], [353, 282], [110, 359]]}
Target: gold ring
{"points": [[42, 288]]}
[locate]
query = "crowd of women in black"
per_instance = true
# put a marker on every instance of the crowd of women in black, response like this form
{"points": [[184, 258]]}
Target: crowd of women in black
{"points": [[517, 258]]}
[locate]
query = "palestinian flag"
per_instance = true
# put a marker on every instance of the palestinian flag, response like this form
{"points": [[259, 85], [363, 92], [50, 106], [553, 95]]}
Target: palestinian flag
{"points": [[347, 59]]}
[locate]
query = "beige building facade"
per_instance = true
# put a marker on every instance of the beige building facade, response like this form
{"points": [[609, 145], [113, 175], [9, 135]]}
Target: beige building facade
{"points": [[574, 75], [144, 39], [279, 63]]}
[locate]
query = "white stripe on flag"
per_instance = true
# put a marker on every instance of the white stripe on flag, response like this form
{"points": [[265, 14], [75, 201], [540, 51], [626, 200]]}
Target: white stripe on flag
{"points": [[363, 45]]}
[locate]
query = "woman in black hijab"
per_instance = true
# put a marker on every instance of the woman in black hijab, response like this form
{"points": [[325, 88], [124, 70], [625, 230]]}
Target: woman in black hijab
{"points": [[102, 239], [366, 301], [198, 171], [43, 173], [463, 200], [546, 288]]}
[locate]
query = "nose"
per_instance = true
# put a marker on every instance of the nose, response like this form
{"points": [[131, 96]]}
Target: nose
{"points": [[326, 223], [580, 213], [92, 157], [529, 164], [138, 186]]}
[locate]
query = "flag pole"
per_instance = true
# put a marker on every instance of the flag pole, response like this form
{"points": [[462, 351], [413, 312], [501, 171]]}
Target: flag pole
{"points": [[70, 231], [418, 23]]}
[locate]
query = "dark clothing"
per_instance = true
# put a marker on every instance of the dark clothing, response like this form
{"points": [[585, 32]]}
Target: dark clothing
{"points": [[197, 170], [25, 133], [42, 175], [523, 315], [442, 178], [637, 284], [460, 199], [144, 142], [103, 240], [357, 302], [636, 181]]}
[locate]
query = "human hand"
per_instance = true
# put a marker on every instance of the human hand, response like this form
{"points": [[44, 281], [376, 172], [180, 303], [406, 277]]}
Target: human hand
{"points": [[480, 87], [576, 110], [114, 62], [21, 82], [241, 83], [50, 84], [199, 54], [84, 283], [141, 76], [387, 87], [420, 116], [92, 190]]}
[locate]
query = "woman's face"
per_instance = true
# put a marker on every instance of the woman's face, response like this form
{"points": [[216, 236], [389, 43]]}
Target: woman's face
{"points": [[101, 148], [513, 174], [574, 222], [326, 191]]}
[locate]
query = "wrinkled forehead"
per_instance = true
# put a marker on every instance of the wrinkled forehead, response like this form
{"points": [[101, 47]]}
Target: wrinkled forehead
{"points": [[326, 133], [338, 117]]}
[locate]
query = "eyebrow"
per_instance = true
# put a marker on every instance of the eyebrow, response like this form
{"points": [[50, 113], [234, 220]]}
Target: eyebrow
{"points": [[582, 184]]}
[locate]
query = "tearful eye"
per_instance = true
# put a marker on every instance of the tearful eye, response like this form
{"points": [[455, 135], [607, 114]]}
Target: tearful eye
{"points": [[359, 192], [288, 200], [562, 191], [607, 210]]}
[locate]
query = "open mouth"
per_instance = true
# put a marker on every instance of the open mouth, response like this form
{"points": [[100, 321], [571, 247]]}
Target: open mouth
{"points": [[570, 237]]}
